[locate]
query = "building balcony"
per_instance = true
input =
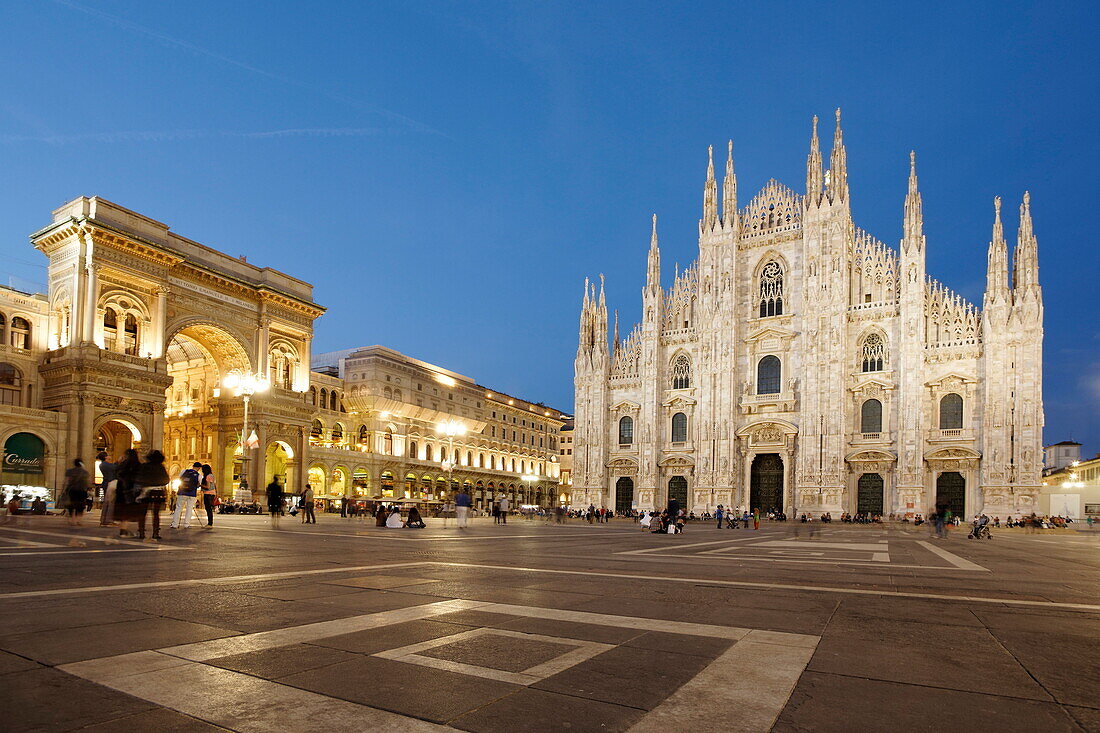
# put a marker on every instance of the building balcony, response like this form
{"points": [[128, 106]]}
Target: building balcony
{"points": [[951, 435], [784, 401], [866, 438]]}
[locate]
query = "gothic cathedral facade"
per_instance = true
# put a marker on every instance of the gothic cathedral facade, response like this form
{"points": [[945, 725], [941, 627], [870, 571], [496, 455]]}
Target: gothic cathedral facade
{"points": [[802, 365]]}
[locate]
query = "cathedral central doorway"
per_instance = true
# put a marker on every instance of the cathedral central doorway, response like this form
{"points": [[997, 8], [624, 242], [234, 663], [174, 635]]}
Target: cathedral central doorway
{"points": [[766, 483], [624, 495], [951, 493], [869, 494], [678, 490]]}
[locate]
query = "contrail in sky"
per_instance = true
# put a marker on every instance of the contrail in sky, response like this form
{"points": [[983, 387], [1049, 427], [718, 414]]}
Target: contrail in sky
{"points": [[153, 136], [209, 53]]}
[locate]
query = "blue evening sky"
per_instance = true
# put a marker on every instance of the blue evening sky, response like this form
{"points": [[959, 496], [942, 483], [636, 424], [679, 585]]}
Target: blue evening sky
{"points": [[447, 174]]}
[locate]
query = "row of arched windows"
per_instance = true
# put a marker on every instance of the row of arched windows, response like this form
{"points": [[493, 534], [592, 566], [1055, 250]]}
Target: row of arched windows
{"points": [[950, 414], [17, 334], [325, 399], [679, 429]]}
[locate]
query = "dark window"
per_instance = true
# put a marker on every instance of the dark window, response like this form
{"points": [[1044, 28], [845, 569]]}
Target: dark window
{"points": [[768, 375], [679, 428], [870, 417], [951, 412], [626, 430]]}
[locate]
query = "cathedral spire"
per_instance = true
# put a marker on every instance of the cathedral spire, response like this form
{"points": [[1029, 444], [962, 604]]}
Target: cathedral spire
{"points": [[729, 192], [997, 262], [653, 274], [838, 165], [615, 341], [914, 209], [710, 193], [814, 177], [1025, 259]]}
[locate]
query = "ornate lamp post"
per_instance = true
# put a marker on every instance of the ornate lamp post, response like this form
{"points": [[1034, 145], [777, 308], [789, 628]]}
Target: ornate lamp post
{"points": [[245, 384], [451, 428]]}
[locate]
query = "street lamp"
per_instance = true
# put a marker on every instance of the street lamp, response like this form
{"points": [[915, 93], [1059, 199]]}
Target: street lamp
{"points": [[529, 479], [451, 428], [245, 384]]}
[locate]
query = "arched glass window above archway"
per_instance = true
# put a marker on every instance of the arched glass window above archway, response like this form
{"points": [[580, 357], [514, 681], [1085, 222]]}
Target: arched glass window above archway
{"points": [[681, 372], [951, 412], [626, 430], [769, 372], [870, 417], [873, 353], [771, 290], [11, 385]]}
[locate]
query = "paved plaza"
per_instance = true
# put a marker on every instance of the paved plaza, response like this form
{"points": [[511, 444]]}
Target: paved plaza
{"points": [[533, 627]]}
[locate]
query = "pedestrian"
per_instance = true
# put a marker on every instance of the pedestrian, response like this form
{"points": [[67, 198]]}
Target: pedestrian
{"points": [[756, 518], [448, 511], [209, 493], [152, 485], [187, 495], [76, 492], [125, 508], [307, 506], [380, 515], [496, 512], [939, 518], [505, 507], [591, 513], [275, 501], [344, 506], [719, 514], [462, 508], [107, 486]]}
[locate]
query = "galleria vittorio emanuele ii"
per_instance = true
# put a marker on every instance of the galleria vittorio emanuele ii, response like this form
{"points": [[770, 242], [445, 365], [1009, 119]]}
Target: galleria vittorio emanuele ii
{"points": [[801, 365]]}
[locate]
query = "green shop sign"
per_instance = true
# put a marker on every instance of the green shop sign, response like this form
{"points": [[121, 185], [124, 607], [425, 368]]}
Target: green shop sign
{"points": [[24, 453]]}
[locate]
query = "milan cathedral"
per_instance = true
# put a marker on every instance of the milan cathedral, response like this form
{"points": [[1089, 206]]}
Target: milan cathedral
{"points": [[803, 366]]}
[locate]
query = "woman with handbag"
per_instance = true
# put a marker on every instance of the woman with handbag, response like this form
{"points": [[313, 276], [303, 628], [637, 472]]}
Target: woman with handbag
{"points": [[152, 482], [209, 493]]}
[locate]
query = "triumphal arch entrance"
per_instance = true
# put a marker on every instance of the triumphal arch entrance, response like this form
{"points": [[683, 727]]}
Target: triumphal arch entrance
{"points": [[145, 325]]}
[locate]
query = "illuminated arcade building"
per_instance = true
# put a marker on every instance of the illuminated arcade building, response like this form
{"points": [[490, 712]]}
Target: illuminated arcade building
{"points": [[134, 342], [403, 429]]}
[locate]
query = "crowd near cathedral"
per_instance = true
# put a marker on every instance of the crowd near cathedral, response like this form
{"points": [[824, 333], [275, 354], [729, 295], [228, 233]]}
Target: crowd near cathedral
{"points": [[802, 366]]}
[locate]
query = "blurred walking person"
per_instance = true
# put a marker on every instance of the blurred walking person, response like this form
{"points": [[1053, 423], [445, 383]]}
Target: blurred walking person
{"points": [[76, 492], [275, 502], [209, 493], [125, 508], [462, 508], [152, 485], [505, 507]]}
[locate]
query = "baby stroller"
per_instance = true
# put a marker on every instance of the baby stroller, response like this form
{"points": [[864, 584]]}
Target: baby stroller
{"points": [[980, 531]]}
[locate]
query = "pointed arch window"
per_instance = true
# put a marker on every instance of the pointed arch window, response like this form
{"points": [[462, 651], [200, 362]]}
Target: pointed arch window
{"points": [[681, 372], [874, 353], [679, 428], [626, 430], [414, 449], [870, 417], [316, 432], [771, 290], [951, 412], [337, 433], [769, 372]]}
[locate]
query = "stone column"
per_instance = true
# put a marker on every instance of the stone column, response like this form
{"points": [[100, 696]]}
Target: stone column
{"points": [[91, 296], [160, 317]]}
